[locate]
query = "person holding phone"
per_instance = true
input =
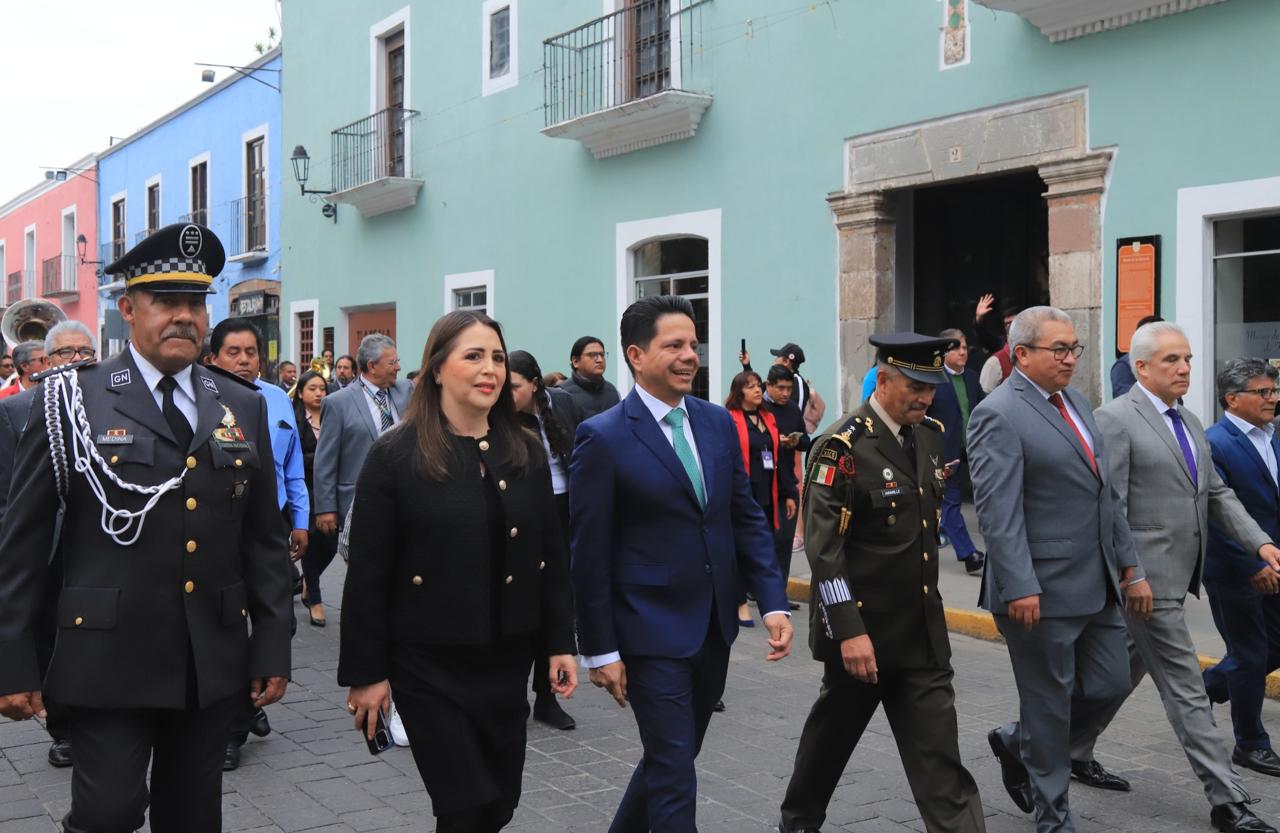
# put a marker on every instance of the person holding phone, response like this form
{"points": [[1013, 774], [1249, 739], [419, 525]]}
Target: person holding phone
{"points": [[952, 404], [458, 579]]}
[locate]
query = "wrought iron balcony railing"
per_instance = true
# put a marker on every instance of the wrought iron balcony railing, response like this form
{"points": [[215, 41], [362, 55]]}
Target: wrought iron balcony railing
{"points": [[13, 288], [375, 147], [248, 225], [200, 215], [635, 52], [58, 276]]}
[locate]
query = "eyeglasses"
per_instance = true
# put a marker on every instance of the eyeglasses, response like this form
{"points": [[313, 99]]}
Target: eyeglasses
{"points": [[1059, 353], [69, 353], [596, 355], [1265, 393]]}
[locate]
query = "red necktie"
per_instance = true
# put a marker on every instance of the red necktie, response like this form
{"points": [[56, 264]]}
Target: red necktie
{"points": [[1056, 400]]}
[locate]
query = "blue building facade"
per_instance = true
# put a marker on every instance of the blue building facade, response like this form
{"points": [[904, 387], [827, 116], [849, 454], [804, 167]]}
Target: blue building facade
{"points": [[213, 160]]}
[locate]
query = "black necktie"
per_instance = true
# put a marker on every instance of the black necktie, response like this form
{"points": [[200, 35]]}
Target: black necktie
{"points": [[177, 422], [908, 441]]}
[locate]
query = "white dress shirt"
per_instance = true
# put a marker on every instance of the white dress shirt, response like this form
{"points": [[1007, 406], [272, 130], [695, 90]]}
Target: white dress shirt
{"points": [[1161, 408], [1071, 411], [369, 388], [185, 394], [1261, 439], [659, 410]]}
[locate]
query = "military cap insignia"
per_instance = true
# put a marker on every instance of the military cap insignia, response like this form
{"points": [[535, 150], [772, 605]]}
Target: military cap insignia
{"points": [[120, 378], [191, 241]]}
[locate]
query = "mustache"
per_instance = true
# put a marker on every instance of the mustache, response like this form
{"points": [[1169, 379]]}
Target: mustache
{"points": [[180, 331]]}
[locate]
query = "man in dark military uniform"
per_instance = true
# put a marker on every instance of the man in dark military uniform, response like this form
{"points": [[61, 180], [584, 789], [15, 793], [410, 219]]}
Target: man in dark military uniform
{"points": [[873, 495], [171, 548]]}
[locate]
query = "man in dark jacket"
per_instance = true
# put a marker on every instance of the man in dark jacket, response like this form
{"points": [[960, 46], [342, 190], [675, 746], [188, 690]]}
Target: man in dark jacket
{"points": [[952, 404], [592, 393], [792, 438]]}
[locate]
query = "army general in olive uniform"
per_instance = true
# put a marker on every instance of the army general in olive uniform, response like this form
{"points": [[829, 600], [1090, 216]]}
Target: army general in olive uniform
{"points": [[172, 550], [872, 499]]}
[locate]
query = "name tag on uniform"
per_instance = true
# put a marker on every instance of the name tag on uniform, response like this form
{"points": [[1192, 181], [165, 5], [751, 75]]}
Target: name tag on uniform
{"points": [[767, 457], [115, 436], [891, 492]]}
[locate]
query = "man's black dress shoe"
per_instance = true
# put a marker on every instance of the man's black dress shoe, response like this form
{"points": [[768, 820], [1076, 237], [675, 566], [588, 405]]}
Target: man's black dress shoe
{"points": [[973, 564], [1237, 818], [60, 754], [231, 759], [782, 828], [1014, 774], [259, 724], [1258, 760], [793, 606], [547, 710], [1092, 774]]}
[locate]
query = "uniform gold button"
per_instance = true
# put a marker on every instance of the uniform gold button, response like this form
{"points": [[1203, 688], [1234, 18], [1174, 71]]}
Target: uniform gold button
{"points": [[924, 524], [510, 579], [891, 520], [190, 587], [239, 463], [244, 612], [191, 462], [893, 504], [502, 485], [191, 504], [417, 580], [542, 565], [191, 546], [921, 490], [926, 556], [926, 589], [114, 459], [859, 604], [514, 532], [79, 621], [484, 445]]}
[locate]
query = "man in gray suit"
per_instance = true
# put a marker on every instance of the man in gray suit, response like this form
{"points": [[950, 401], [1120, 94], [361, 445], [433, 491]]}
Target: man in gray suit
{"points": [[1163, 472], [350, 420], [1060, 561]]}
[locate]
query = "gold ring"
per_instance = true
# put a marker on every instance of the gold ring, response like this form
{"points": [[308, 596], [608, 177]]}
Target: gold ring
{"points": [[351, 708]]}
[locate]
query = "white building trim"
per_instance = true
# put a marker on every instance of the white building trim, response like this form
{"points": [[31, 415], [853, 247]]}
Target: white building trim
{"points": [[207, 159], [30, 260], [489, 86], [465, 280], [1198, 208], [158, 181], [296, 308], [629, 236], [261, 131], [378, 33]]}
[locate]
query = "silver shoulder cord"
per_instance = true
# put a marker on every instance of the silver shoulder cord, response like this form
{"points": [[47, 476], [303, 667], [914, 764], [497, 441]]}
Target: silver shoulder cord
{"points": [[62, 393]]}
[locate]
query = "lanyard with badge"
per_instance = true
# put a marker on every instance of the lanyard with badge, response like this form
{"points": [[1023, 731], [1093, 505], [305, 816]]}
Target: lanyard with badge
{"points": [[766, 453], [384, 407]]}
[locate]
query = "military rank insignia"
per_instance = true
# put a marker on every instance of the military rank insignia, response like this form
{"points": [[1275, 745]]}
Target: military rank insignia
{"points": [[845, 464], [228, 434]]}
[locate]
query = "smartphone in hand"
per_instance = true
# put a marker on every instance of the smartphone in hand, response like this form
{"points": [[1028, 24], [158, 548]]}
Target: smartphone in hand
{"points": [[381, 740]]}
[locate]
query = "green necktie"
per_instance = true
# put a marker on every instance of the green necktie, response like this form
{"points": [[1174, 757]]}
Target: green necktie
{"points": [[962, 395], [676, 420]]}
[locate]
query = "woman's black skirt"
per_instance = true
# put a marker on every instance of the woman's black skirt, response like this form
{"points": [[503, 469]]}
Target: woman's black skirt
{"points": [[464, 709]]}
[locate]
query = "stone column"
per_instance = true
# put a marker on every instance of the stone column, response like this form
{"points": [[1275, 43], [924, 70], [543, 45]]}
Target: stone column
{"points": [[1074, 198], [865, 260]]}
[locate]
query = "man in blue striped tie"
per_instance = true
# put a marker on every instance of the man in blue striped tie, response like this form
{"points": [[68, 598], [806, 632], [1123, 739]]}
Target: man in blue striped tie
{"points": [[662, 524]]}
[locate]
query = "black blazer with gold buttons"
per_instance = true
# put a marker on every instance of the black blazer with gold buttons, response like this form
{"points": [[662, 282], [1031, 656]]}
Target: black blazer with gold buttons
{"points": [[211, 561], [421, 570]]}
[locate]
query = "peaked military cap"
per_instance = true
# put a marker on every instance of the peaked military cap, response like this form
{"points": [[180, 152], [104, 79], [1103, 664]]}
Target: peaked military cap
{"points": [[183, 257], [918, 357]]}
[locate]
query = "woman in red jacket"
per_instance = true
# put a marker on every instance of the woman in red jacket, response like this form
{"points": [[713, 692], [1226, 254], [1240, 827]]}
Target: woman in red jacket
{"points": [[758, 439]]}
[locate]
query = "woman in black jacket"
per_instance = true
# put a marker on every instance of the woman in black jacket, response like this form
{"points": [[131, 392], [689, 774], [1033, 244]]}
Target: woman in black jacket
{"points": [[458, 579], [308, 395]]}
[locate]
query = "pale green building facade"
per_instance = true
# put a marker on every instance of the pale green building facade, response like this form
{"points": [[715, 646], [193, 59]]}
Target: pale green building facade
{"points": [[805, 171]]}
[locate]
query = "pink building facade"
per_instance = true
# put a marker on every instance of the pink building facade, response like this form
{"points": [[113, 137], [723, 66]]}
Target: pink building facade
{"points": [[39, 257]]}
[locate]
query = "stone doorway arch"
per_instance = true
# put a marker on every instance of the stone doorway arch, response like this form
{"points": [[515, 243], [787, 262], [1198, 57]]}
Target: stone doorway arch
{"points": [[1048, 135]]}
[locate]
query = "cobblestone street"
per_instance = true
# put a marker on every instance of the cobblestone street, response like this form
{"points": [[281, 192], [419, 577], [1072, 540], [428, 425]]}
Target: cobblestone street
{"points": [[313, 772]]}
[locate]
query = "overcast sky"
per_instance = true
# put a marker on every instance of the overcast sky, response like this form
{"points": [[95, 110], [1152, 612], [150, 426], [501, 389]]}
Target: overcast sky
{"points": [[77, 72]]}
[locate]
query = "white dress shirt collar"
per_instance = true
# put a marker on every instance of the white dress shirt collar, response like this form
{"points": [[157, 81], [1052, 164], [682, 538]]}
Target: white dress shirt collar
{"points": [[152, 375], [1156, 402], [889, 422], [1033, 383], [1247, 428], [656, 406]]}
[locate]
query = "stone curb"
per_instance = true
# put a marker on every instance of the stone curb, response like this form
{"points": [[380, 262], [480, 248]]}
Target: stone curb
{"points": [[980, 625]]}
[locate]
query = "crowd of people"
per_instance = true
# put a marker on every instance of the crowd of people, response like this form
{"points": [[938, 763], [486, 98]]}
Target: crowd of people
{"points": [[498, 520]]}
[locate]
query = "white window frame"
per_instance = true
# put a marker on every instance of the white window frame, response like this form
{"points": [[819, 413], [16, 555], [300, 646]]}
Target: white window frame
{"points": [[393, 24], [296, 308], [468, 280], [123, 198], [262, 131], [30, 289], [158, 181], [4, 273], [1198, 209], [631, 235], [207, 159], [489, 86], [619, 35], [72, 282]]}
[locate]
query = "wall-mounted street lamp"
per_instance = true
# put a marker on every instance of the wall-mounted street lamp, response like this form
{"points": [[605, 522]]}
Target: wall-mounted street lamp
{"points": [[301, 161], [82, 249], [208, 76]]}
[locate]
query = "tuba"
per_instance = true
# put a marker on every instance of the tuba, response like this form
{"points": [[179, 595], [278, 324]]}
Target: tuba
{"points": [[30, 320], [317, 366]]}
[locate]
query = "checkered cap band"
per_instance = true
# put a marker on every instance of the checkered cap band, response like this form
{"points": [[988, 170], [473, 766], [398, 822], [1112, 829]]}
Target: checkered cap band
{"points": [[166, 266]]}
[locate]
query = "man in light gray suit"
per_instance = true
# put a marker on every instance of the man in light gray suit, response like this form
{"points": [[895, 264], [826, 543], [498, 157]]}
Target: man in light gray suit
{"points": [[350, 420], [1060, 561], [1163, 472]]}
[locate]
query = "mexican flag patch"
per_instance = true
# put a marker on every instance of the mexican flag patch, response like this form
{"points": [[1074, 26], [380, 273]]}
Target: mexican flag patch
{"points": [[824, 475]]}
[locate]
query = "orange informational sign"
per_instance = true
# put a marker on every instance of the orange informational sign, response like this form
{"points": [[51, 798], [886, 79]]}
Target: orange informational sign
{"points": [[1137, 285]]}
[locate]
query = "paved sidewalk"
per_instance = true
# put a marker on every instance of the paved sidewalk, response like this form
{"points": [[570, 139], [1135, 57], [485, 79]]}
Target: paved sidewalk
{"points": [[313, 772]]}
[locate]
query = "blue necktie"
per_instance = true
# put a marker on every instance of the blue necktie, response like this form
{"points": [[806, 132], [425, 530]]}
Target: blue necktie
{"points": [[1184, 444], [685, 454]]}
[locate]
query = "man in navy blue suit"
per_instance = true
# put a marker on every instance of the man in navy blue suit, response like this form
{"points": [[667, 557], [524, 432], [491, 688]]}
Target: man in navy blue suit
{"points": [[952, 404], [662, 524], [1242, 595]]}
